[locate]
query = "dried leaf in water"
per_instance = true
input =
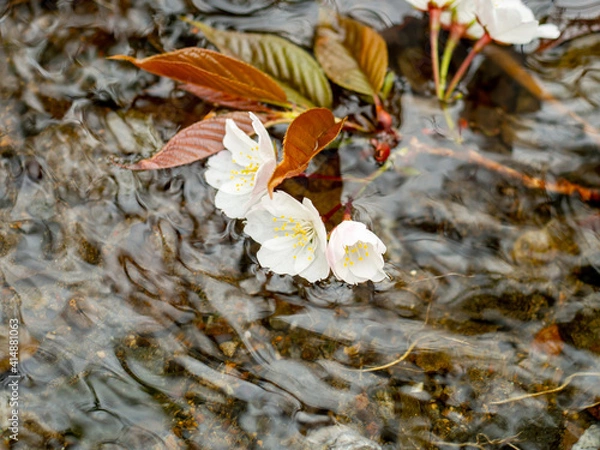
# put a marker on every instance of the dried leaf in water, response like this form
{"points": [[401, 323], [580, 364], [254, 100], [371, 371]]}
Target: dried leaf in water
{"points": [[220, 98], [353, 55], [195, 142], [306, 136], [299, 75], [214, 71], [548, 340]]}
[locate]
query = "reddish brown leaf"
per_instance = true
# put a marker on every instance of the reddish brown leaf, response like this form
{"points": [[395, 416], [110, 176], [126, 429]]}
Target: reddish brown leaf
{"points": [[306, 136], [548, 340], [371, 50], [352, 55], [220, 98], [299, 74], [214, 71], [195, 142]]}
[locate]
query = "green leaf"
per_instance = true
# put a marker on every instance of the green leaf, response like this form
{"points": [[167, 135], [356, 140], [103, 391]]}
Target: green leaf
{"points": [[299, 75]]}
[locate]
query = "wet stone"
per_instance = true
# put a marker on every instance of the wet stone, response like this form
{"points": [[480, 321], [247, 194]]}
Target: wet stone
{"points": [[584, 330]]}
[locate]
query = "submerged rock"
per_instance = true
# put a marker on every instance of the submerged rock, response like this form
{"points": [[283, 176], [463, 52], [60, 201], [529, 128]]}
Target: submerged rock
{"points": [[340, 437], [590, 440]]}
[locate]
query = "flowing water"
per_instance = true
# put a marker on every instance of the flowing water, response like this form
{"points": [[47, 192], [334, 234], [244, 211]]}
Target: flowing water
{"points": [[145, 322]]}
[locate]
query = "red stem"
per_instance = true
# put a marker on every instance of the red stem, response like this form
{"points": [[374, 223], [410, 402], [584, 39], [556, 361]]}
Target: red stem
{"points": [[331, 212], [482, 42], [318, 176], [434, 32], [348, 210]]}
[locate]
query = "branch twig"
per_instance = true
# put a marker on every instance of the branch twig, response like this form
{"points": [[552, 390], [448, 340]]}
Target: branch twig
{"points": [[560, 186], [549, 391], [397, 361]]}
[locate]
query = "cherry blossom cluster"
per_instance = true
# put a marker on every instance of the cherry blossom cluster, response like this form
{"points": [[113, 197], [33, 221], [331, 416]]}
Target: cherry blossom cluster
{"points": [[292, 235], [506, 21], [502, 21]]}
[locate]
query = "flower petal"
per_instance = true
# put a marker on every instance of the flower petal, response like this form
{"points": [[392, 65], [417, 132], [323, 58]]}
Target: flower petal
{"points": [[464, 11], [292, 235], [548, 31], [223, 174], [335, 250], [318, 270], [234, 206], [511, 22], [475, 31], [238, 185], [341, 272], [259, 225], [350, 278], [355, 253], [318, 224], [277, 261], [218, 169], [280, 243], [523, 34], [368, 268], [283, 204], [350, 232], [265, 145], [263, 174], [419, 4], [239, 144]]}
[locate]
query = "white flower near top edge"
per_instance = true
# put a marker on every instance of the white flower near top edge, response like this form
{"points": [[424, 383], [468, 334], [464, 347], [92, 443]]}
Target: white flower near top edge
{"points": [[424, 5], [463, 13], [240, 173], [511, 22], [355, 254], [292, 236]]}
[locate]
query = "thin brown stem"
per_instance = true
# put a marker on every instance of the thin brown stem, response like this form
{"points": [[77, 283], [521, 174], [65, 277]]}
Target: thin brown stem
{"points": [[396, 361], [549, 391], [560, 186], [318, 176], [479, 45]]}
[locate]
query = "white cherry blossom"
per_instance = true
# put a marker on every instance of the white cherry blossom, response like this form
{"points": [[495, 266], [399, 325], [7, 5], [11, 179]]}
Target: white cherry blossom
{"points": [[355, 254], [463, 13], [424, 5], [511, 22], [292, 236], [240, 173]]}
